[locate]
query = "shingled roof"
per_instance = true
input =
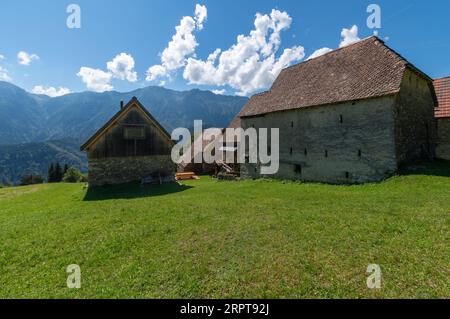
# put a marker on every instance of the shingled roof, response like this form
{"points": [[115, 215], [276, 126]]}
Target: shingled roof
{"points": [[442, 88], [365, 69]]}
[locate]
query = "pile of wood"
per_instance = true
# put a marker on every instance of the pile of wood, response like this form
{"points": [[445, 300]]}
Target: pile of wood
{"points": [[185, 176]]}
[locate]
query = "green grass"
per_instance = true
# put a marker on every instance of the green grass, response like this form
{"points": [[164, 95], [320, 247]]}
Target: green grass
{"points": [[210, 239]]}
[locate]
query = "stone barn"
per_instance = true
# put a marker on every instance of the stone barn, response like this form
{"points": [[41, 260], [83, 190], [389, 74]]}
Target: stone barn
{"points": [[131, 146], [442, 87], [353, 115]]}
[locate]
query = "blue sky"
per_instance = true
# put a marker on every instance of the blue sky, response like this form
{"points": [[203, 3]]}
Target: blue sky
{"points": [[142, 29]]}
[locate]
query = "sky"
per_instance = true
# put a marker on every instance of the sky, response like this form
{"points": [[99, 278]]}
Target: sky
{"points": [[230, 47]]}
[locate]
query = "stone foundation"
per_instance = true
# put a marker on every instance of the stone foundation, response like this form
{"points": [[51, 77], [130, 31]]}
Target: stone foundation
{"points": [[119, 170]]}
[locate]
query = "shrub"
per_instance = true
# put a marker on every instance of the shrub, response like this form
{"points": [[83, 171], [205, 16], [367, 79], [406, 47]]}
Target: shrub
{"points": [[73, 176]]}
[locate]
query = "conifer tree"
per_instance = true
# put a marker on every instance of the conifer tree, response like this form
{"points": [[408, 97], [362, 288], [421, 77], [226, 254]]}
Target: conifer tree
{"points": [[58, 173], [51, 174]]}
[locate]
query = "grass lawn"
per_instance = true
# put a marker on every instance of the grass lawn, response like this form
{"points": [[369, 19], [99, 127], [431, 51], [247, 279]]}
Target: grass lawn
{"points": [[215, 239]]}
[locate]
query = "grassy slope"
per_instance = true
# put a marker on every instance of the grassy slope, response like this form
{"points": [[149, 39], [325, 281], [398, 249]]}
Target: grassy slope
{"points": [[228, 239]]}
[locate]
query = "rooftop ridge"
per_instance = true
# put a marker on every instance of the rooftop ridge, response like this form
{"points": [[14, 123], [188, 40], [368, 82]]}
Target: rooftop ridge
{"points": [[372, 37]]}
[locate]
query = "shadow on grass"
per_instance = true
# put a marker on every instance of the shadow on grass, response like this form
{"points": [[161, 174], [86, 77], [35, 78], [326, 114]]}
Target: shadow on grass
{"points": [[132, 190], [435, 168]]}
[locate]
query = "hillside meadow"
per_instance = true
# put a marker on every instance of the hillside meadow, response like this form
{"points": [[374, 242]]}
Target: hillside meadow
{"points": [[248, 239]]}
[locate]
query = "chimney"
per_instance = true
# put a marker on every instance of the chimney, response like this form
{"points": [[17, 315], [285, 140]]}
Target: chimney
{"points": [[121, 105]]}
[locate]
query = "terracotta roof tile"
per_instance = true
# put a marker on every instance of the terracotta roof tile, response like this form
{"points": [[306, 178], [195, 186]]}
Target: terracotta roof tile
{"points": [[442, 88], [362, 70]]}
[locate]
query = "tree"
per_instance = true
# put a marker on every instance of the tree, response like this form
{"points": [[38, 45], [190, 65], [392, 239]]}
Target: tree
{"points": [[73, 176], [58, 173], [51, 174]]}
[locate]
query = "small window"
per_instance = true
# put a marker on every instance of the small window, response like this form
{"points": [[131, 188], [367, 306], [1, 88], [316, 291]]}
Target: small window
{"points": [[347, 175], [306, 152], [134, 133], [298, 169], [292, 124], [359, 153], [341, 119], [326, 153], [291, 150]]}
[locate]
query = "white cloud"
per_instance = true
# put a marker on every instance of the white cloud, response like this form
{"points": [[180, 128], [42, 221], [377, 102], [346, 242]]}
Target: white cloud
{"points": [[250, 64], [50, 91], [319, 52], [4, 76], [349, 36], [96, 80], [181, 46], [219, 92], [25, 58], [121, 67], [201, 14], [2, 57]]}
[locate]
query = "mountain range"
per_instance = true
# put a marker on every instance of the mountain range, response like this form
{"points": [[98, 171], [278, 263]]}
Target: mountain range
{"points": [[33, 124], [26, 117]]}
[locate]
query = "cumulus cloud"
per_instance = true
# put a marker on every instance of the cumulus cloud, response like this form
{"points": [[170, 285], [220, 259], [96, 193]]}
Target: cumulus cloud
{"points": [[121, 67], [50, 91], [201, 14], [349, 36], [181, 46], [4, 76], [319, 52], [2, 57], [251, 63], [25, 58], [96, 80]]}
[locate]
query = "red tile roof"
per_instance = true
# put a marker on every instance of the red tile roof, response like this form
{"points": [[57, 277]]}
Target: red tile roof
{"points": [[442, 88], [362, 70]]}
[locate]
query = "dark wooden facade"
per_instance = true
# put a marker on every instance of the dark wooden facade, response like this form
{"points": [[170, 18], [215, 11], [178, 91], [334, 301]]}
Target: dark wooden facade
{"points": [[131, 136], [131, 146]]}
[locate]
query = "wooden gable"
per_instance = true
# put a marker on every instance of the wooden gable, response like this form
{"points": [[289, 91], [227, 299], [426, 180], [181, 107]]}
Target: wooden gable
{"points": [[133, 131]]}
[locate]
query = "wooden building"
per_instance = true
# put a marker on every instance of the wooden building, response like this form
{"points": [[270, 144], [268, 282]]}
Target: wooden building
{"points": [[131, 146]]}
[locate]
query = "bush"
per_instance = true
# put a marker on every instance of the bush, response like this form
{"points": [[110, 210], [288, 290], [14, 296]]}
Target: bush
{"points": [[73, 176], [83, 179]]}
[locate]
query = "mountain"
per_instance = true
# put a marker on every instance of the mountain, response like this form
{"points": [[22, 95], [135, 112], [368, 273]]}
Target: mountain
{"points": [[36, 130], [26, 117], [18, 160], [21, 114]]}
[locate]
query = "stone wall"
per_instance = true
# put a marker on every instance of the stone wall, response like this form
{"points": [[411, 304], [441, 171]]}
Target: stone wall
{"points": [[415, 124], [350, 142], [118, 170], [443, 146]]}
